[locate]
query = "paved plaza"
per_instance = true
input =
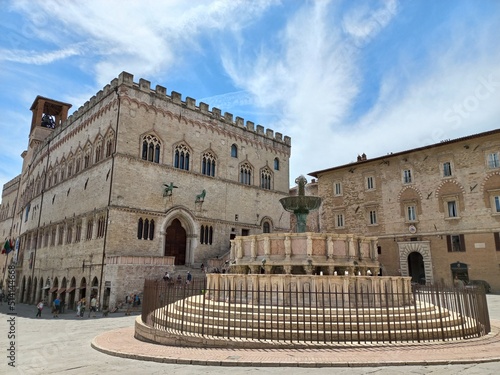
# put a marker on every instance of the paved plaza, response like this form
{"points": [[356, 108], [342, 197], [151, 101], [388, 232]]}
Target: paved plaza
{"points": [[63, 345]]}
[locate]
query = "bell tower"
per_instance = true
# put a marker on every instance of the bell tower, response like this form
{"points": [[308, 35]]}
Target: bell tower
{"points": [[48, 114]]}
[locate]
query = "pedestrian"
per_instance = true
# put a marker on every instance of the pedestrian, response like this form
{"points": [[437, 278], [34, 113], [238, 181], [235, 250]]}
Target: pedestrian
{"points": [[40, 308], [202, 267], [166, 277], [78, 307], [179, 280], [82, 307], [57, 307], [128, 301], [189, 277], [93, 305]]}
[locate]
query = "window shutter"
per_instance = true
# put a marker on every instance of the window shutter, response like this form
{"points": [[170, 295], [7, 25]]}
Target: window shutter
{"points": [[462, 242], [497, 240], [448, 242]]}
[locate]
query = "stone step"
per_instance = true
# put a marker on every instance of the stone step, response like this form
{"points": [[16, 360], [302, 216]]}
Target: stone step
{"points": [[366, 324], [323, 333], [192, 305]]}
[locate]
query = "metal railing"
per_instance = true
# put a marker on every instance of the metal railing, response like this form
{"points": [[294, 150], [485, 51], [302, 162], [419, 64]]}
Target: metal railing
{"points": [[430, 313]]}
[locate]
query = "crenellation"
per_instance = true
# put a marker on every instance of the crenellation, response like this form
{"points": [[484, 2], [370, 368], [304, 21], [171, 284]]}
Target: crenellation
{"points": [[288, 140], [204, 108], [190, 103], [93, 101], [176, 97], [126, 79], [239, 122], [105, 90], [160, 90], [86, 106], [216, 112], [144, 85]]}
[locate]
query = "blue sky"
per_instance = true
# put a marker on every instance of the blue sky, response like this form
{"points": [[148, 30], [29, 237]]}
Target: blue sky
{"points": [[341, 78]]}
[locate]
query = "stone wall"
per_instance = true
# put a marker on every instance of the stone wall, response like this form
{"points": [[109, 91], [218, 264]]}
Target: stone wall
{"points": [[472, 185]]}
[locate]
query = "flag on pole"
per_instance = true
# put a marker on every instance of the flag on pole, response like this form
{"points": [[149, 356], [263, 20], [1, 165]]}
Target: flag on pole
{"points": [[7, 247]]}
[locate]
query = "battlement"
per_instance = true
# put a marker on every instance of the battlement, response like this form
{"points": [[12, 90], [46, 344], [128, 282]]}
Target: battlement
{"points": [[9, 185], [144, 85]]}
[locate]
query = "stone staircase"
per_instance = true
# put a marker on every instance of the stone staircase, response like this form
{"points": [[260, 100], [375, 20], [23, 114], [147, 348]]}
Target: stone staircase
{"points": [[196, 318]]}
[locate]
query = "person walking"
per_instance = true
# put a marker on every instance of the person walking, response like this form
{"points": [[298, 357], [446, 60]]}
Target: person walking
{"points": [[57, 307], [82, 307], [189, 277], [40, 308], [78, 307], [128, 301], [93, 305]]}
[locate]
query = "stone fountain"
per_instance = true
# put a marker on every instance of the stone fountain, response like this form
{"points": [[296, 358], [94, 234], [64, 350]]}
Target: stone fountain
{"points": [[299, 290], [301, 205], [304, 252]]}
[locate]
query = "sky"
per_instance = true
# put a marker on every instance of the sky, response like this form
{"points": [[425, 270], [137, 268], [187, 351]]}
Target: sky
{"points": [[341, 78]]}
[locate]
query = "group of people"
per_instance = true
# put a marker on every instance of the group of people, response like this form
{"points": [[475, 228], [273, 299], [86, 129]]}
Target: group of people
{"points": [[58, 304], [132, 301], [168, 279], [56, 307]]}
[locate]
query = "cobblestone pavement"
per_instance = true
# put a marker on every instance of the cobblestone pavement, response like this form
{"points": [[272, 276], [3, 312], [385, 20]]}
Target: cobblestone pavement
{"points": [[63, 345]]}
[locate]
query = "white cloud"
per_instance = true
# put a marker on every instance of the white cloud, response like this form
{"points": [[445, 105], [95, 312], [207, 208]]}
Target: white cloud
{"points": [[363, 22], [37, 58], [145, 37], [311, 83]]}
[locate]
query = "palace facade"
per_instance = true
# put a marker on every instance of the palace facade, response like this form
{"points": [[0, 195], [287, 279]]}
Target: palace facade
{"points": [[434, 209], [132, 184]]}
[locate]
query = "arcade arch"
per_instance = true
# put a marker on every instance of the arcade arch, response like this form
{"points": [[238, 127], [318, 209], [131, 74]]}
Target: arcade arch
{"points": [[179, 236]]}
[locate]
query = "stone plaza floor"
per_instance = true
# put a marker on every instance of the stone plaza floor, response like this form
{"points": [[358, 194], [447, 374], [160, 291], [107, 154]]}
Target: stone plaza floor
{"points": [[67, 345]]}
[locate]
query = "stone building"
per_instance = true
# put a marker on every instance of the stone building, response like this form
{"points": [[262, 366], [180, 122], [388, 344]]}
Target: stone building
{"points": [[435, 209], [134, 183]]}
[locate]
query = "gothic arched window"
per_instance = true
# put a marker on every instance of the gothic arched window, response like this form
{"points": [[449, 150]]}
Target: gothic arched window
{"points": [[246, 174], [151, 146], [208, 164], [181, 157], [265, 179], [234, 151]]}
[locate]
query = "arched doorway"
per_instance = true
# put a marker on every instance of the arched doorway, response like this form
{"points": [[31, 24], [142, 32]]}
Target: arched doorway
{"points": [[71, 291], [29, 291], [62, 295], [94, 288], [83, 288], [416, 268], [405, 262], [53, 290], [175, 242]]}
